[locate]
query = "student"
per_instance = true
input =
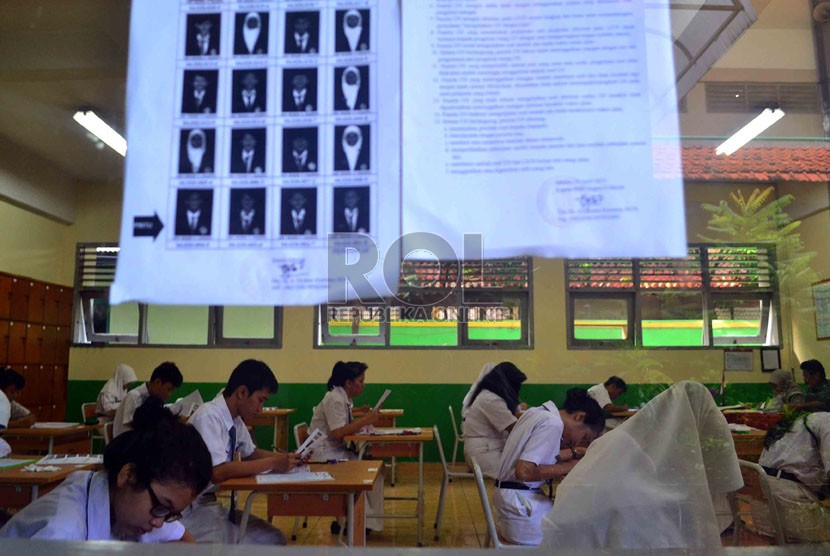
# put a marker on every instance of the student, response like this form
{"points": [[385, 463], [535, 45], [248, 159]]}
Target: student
{"points": [[658, 480], [11, 383], [150, 475], [534, 454], [818, 388], [606, 393], [797, 457], [113, 392], [165, 378], [5, 412], [787, 391], [490, 415], [333, 416], [221, 422]]}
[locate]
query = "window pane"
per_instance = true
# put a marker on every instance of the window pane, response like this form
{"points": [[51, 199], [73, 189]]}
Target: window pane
{"points": [[739, 321], [248, 322], [177, 324], [600, 319], [353, 321], [499, 322], [422, 323], [672, 319]]}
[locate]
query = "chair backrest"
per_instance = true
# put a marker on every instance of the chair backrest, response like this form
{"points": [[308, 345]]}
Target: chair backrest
{"points": [[300, 433], [485, 505], [756, 487], [108, 432], [454, 424], [88, 411]]}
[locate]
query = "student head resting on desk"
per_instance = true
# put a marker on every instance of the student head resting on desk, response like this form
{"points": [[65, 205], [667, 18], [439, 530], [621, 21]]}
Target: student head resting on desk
{"points": [[150, 475], [657, 481]]}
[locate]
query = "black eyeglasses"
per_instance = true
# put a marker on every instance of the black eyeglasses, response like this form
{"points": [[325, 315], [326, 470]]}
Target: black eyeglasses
{"points": [[160, 510]]}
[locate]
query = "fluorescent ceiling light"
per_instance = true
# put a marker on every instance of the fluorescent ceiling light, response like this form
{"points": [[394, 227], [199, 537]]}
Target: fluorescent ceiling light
{"points": [[101, 129], [750, 131]]}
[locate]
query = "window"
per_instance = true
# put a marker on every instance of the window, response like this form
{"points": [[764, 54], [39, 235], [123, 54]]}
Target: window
{"points": [[717, 295], [439, 304], [97, 322]]}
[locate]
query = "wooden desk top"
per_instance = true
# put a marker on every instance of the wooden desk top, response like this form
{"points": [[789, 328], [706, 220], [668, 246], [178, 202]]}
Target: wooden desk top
{"points": [[624, 414], [40, 433], [424, 436], [16, 475], [275, 411], [383, 413], [349, 476]]}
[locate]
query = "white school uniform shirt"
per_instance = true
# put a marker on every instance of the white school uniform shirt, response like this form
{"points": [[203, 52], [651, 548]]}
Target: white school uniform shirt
{"points": [[485, 431], [5, 412], [333, 412], [114, 391], [213, 421], [796, 452], [124, 415], [78, 510], [536, 438], [600, 394]]}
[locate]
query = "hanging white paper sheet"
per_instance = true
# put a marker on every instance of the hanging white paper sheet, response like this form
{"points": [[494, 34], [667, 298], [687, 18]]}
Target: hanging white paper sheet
{"points": [[550, 128], [257, 129]]}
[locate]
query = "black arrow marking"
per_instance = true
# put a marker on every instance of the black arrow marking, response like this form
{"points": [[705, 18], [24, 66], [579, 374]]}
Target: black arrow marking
{"points": [[146, 226]]}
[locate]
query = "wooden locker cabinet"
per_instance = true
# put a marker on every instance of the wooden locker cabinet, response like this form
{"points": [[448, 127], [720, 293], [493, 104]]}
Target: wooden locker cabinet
{"points": [[35, 336]]}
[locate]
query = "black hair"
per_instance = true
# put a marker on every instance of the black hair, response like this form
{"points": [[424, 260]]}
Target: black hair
{"points": [[784, 425], [10, 377], [814, 367], [253, 375], [577, 399], [341, 372], [616, 382], [168, 373], [160, 448], [505, 381]]}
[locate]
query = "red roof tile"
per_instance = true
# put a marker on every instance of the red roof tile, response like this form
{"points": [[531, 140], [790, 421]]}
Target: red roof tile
{"points": [[757, 164]]}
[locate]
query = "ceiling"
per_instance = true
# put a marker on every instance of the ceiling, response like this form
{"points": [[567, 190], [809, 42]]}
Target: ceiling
{"points": [[57, 56]]}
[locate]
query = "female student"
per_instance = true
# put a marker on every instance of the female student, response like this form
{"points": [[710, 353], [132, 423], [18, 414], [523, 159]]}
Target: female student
{"points": [[333, 416], [658, 480], [797, 457], [489, 416], [114, 391], [150, 475], [786, 391], [534, 454]]}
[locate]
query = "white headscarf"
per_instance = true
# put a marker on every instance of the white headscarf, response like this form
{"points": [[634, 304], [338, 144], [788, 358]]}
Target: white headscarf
{"points": [[653, 482], [468, 399], [123, 377]]}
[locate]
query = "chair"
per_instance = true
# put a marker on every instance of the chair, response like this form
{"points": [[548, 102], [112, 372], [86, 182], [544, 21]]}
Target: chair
{"points": [[87, 414], [459, 437], [488, 514], [448, 476], [756, 488]]}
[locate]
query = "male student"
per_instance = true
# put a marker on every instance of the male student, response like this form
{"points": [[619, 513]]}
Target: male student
{"points": [[165, 378], [11, 383], [221, 422], [606, 393]]}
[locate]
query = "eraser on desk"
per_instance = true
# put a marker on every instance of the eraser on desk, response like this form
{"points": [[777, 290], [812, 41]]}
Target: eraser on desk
{"points": [[373, 469]]}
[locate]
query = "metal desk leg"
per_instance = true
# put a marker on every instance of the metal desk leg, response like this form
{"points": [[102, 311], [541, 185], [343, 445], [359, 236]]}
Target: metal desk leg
{"points": [[35, 492], [246, 514], [51, 445], [420, 494], [394, 459], [350, 518]]}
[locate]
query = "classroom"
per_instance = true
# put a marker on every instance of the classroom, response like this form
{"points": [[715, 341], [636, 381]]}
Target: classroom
{"points": [[749, 302]]}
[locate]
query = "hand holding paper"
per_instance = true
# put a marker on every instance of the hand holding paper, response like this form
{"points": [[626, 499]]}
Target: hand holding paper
{"points": [[306, 448]]}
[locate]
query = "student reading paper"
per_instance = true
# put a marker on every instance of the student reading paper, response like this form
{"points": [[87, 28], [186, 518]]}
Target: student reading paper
{"points": [[114, 392], [221, 422], [150, 475], [165, 378], [333, 416]]}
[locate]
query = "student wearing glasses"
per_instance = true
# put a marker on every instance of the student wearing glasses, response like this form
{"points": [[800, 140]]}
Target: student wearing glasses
{"points": [[151, 474]]}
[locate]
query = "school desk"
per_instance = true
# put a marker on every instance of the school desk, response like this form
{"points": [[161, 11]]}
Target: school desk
{"points": [[342, 497], [388, 418], [277, 418], [19, 488], [399, 445], [64, 440]]}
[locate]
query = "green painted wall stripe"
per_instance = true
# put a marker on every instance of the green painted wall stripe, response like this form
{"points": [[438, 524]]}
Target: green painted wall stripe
{"points": [[425, 404]]}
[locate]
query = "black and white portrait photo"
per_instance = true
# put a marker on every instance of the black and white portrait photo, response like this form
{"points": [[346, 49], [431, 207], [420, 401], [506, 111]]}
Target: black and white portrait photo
{"points": [[203, 34], [351, 209], [351, 30], [351, 88], [299, 212], [299, 90], [351, 148], [248, 151], [251, 34], [247, 217], [194, 208], [299, 150], [249, 91], [302, 32], [199, 91], [196, 151]]}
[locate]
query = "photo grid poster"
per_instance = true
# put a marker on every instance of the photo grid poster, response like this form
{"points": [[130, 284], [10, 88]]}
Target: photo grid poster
{"points": [[262, 135]]}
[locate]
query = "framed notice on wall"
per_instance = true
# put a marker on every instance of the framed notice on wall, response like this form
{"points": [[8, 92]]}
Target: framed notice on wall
{"points": [[821, 301], [737, 360]]}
